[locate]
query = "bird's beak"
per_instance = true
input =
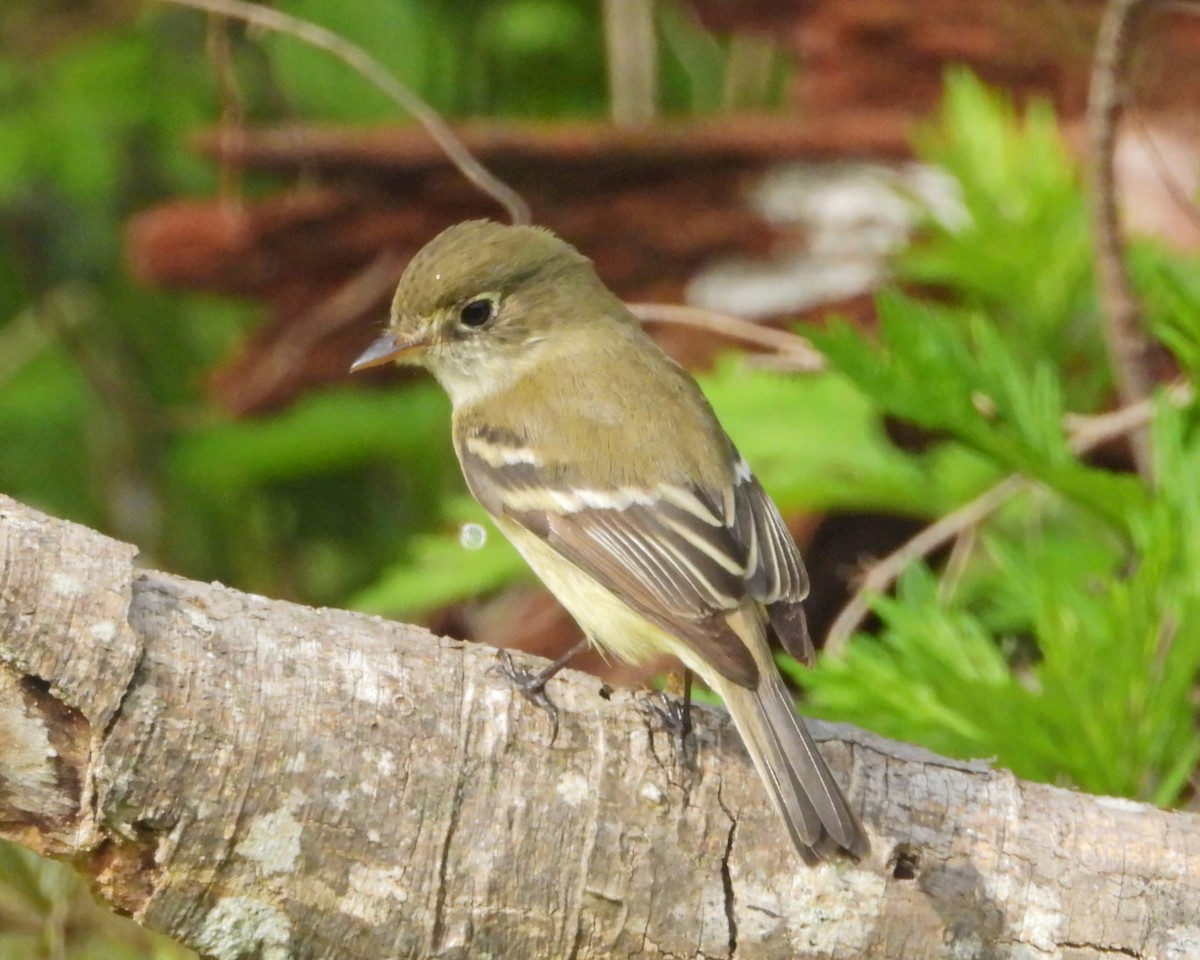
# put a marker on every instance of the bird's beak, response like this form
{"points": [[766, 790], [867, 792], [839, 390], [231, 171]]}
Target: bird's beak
{"points": [[386, 348]]}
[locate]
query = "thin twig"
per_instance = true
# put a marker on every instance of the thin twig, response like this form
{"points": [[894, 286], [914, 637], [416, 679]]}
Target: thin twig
{"points": [[25, 335], [799, 353], [631, 44], [233, 110], [1086, 433], [886, 571], [374, 72], [117, 390], [1127, 346], [957, 563]]}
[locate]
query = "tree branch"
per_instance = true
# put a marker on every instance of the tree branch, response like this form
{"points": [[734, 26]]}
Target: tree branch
{"points": [[258, 778], [1128, 347]]}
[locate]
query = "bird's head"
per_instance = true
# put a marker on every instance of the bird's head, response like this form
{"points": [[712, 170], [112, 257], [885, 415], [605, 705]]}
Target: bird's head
{"points": [[476, 300]]}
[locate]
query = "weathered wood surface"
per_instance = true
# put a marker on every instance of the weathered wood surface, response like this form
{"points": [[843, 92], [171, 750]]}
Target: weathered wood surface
{"points": [[260, 779]]}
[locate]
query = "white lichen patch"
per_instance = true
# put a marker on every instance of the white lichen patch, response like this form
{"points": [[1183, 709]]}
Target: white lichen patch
{"points": [[66, 585], [1123, 804], [340, 801], [27, 770], [273, 840], [358, 676], [103, 631], [572, 788], [496, 699], [387, 763], [1036, 910], [970, 947], [297, 763], [828, 900], [1182, 943], [243, 927], [653, 794], [1043, 916], [495, 702], [374, 894], [199, 619], [759, 914]]}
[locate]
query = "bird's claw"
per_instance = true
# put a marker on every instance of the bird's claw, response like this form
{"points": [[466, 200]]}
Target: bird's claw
{"points": [[674, 717], [532, 686]]}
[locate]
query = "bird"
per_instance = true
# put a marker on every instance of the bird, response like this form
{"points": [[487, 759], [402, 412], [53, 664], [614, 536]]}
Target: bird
{"points": [[603, 463]]}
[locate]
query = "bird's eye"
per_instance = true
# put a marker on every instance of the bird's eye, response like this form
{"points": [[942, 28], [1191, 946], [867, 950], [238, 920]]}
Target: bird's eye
{"points": [[477, 312]]}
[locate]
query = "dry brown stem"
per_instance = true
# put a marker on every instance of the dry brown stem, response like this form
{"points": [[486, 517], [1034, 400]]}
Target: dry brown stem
{"points": [[373, 71], [795, 353], [1128, 346], [631, 42]]}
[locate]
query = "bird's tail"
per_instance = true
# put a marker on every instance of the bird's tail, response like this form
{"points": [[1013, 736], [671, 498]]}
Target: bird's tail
{"points": [[787, 759]]}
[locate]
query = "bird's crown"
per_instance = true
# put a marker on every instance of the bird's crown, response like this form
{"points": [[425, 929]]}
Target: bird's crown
{"points": [[479, 255]]}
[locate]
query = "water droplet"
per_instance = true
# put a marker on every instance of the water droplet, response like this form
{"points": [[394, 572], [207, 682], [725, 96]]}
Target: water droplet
{"points": [[472, 536]]}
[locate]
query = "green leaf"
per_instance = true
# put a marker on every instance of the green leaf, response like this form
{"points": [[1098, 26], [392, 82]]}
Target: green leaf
{"points": [[409, 39], [951, 371], [44, 412], [817, 443], [1022, 250], [330, 429], [1170, 290], [444, 568]]}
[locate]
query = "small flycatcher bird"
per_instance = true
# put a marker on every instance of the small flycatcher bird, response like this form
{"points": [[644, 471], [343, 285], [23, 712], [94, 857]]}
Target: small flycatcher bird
{"points": [[602, 462]]}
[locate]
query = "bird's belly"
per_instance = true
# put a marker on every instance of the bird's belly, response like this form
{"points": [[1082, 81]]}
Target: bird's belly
{"points": [[616, 628]]}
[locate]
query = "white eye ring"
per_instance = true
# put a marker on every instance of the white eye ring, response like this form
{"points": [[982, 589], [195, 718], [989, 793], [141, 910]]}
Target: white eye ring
{"points": [[479, 311]]}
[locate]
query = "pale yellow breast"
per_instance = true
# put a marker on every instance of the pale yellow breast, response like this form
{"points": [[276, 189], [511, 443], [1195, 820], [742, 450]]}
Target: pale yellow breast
{"points": [[614, 627]]}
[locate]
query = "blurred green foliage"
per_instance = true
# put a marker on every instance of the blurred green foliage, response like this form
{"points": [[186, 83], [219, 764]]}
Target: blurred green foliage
{"points": [[1025, 209], [47, 911], [1066, 644], [101, 382], [351, 495]]}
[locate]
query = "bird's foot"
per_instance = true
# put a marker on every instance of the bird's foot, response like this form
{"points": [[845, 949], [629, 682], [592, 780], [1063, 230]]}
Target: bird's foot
{"points": [[532, 683], [674, 716]]}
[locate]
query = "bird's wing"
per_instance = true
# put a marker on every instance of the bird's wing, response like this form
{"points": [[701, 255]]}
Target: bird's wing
{"points": [[681, 557], [775, 574]]}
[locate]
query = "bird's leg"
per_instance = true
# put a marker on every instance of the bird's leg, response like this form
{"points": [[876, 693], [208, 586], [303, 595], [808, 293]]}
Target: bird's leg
{"points": [[675, 716], [685, 725], [532, 685]]}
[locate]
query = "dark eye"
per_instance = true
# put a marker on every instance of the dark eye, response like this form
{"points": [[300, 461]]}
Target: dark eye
{"points": [[477, 312]]}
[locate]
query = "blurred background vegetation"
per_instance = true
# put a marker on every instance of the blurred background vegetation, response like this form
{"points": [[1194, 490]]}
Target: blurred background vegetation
{"points": [[1061, 637]]}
